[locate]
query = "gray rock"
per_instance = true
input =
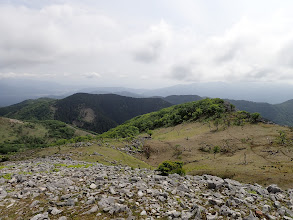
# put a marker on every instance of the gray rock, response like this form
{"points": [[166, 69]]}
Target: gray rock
{"points": [[212, 216], [226, 211], [3, 194], [93, 186], [251, 216], [92, 210], [70, 202], [183, 188], [266, 209], [54, 211], [273, 189], [34, 203], [43, 216], [277, 204]]}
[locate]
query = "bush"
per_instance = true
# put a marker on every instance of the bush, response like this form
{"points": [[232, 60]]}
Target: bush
{"points": [[255, 117], [170, 167]]}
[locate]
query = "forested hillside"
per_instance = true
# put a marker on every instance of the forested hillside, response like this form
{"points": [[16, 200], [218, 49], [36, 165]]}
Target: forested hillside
{"points": [[281, 113], [93, 112], [99, 113], [215, 111], [32, 109], [180, 99]]}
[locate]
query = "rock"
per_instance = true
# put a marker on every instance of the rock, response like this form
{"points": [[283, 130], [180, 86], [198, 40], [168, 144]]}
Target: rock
{"points": [[225, 211], [106, 202], [251, 216], [34, 203], [217, 202], [31, 183], [93, 186], [273, 189], [183, 188], [277, 204], [55, 211], [140, 194], [92, 210], [62, 218], [3, 194], [151, 196], [70, 202], [41, 217], [266, 209], [212, 216], [112, 191]]}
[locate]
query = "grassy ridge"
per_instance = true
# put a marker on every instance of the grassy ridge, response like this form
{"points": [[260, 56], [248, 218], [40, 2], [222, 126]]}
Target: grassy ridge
{"points": [[38, 109], [18, 135], [209, 110]]}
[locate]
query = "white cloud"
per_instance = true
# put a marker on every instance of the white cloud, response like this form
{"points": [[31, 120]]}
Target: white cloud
{"points": [[75, 37], [91, 75], [24, 75], [149, 45], [50, 34], [248, 51]]}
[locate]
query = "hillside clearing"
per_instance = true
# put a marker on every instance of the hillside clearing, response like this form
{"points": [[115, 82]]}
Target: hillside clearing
{"points": [[249, 153]]}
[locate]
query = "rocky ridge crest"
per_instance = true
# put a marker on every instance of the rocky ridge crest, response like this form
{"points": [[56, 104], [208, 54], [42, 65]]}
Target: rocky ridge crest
{"points": [[52, 188]]}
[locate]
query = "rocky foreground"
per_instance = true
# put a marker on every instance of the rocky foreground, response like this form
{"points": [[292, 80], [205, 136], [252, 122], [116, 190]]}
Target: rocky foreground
{"points": [[51, 188]]}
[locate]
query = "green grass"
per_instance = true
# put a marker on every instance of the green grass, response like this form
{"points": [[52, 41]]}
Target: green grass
{"points": [[191, 167], [25, 173], [7, 176], [74, 166]]}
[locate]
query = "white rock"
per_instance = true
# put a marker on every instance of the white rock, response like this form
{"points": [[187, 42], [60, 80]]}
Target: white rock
{"points": [[93, 186], [140, 193]]}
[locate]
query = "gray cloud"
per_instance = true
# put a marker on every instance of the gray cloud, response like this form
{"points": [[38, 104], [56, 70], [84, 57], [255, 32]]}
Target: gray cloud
{"points": [[181, 72], [149, 53], [80, 37], [285, 55]]}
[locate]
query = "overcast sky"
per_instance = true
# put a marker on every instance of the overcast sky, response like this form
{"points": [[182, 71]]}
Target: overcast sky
{"points": [[147, 43]]}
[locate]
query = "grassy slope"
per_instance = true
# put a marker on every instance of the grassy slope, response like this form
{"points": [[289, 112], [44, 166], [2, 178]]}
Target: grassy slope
{"points": [[9, 127], [12, 129], [106, 154], [266, 163], [32, 109]]}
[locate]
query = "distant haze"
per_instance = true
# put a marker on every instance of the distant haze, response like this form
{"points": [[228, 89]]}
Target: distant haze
{"points": [[14, 91]]}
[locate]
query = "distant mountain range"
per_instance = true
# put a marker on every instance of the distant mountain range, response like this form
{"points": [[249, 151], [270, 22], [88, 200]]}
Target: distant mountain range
{"points": [[13, 91], [100, 112]]}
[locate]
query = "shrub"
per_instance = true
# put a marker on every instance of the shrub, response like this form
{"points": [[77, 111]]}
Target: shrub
{"points": [[216, 149], [254, 117], [170, 167]]}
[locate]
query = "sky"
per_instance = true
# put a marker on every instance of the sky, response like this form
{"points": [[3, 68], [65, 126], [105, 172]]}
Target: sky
{"points": [[146, 43]]}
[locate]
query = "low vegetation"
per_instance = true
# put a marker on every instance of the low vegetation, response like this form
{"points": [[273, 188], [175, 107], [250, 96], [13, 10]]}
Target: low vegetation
{"points": [[212, 111], [170, 167], [19, 135]]}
